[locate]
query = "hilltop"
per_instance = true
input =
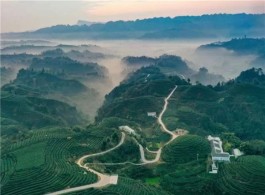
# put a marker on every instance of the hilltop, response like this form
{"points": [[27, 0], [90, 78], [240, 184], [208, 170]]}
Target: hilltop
{"points": [[47, 83], [243, 46], [240, 47], [67, 66], [172, 65]]}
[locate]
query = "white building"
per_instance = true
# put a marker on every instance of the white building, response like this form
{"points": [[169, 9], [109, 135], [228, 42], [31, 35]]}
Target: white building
{"points": [[237, 152], [217, 153], [214, 168], [152, 114], [127, 129]]}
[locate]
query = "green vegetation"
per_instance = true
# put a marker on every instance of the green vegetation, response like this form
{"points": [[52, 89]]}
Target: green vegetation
{"points": [[241, 45], [188, 178], [186, 148], [126, 186], [138, 95], [65, 66], [244, 176], [31, 156], [42, 138], [153, 181], [45, 166], [253, 147], [47, 83], [236, 106], [127, 152], [34, 111], [230, 141]]}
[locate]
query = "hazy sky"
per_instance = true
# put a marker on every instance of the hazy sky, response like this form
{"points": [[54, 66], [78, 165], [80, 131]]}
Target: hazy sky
{"points": [[23, 15]]}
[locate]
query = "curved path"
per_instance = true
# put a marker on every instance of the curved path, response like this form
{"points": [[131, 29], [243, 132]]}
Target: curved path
{"points": [[104, 179], [145, 161], [80, 160], [164, 128]]}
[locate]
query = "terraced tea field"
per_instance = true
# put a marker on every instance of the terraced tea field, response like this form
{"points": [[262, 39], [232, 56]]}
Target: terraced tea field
{"points": [[43, 164], [186, 148], [244, 176]]}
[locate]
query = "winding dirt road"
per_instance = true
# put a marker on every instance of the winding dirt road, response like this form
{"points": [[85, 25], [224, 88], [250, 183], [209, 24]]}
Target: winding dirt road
{"points": [[160, 121], [105, 179]]}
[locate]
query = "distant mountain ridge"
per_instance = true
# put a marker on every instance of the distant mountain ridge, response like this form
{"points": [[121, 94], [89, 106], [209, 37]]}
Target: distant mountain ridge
{"points": [[210, 26]]}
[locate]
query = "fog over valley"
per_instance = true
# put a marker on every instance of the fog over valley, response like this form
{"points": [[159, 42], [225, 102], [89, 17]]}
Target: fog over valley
{"points": [[219, 65], [132, 98]]}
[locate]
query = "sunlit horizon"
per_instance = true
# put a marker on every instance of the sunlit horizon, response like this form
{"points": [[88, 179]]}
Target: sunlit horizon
{"points": [[17, 16]]}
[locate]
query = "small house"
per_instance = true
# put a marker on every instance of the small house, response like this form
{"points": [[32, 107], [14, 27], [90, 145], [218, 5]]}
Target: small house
{"points": [[127, 129], [152, 114]]}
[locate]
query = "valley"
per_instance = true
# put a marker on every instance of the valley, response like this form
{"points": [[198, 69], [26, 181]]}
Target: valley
{"points": [[130, 117]]}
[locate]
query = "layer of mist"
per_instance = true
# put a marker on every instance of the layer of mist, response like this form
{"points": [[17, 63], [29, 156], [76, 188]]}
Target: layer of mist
{"points": [[219, 62]]}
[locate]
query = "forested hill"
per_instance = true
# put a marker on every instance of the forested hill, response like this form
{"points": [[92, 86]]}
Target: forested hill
{"points": [[47, 83], [236, 106], [240, 46], [143, 91], [205, 26]]}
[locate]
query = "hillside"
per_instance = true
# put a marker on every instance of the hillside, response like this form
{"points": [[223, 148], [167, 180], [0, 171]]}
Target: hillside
{"points": [[33, 48], [82, 56], [48, 83], [244, 176], [173, 65], [14, 60], [185, 149], [64, 65], [201, 109], [27, 110], [241, 46], [7, 74], [252, 47], [139, 94], [235, 107], [252, 76]]}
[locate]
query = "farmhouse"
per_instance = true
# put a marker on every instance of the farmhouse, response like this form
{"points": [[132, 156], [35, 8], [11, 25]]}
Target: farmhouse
{"points": [[127, 129]]}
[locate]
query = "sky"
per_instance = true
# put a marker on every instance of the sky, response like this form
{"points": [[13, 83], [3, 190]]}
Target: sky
{"points": [[21, 15]]}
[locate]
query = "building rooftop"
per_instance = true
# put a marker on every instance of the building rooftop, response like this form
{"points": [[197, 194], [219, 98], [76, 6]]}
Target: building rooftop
{"points": [[216, 145]]}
